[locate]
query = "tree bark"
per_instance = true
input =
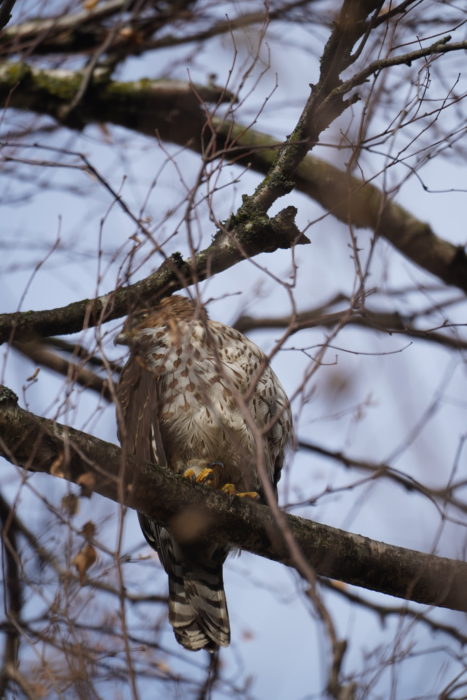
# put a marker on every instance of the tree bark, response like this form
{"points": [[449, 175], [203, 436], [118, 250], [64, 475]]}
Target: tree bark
{"points": [[39, 444]]}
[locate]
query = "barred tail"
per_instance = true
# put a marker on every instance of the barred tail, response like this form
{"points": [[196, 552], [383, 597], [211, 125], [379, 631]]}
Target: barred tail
{"points": [[197, 604], [198, 608]]}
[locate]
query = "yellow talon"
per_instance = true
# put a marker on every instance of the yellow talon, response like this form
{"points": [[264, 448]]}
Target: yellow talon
{"points": [[231, 490], [189, 473], [204, 475]]}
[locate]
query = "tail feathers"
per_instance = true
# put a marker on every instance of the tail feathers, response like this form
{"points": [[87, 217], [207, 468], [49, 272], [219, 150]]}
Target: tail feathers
{"points": [[198, 609], [197, 605]]}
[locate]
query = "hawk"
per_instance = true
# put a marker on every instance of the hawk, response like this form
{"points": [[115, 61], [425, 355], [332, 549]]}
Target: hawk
{"points": [[204, 395]]}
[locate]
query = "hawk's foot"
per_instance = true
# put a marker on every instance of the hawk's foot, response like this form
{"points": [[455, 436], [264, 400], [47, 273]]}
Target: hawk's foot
{"points": [[231, 490], [248, 494], [206, 473]]}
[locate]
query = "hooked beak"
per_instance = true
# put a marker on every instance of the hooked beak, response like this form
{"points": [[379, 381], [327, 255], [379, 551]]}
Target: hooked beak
{"points": [[121, 338]]}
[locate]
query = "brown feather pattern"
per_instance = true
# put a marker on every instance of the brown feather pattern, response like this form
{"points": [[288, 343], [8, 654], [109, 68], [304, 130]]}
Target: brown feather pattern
{"points": [[182, 403]]}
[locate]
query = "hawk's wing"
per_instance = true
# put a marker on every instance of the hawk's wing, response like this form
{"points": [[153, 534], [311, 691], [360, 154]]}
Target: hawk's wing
{"points": [[138, 414], [197, 604], [242, 360]]}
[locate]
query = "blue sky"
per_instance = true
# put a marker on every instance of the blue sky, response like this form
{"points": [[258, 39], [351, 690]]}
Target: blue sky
{"points": [[400, 399]]}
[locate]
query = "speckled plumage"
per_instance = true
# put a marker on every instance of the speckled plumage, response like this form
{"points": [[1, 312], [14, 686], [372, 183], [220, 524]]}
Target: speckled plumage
{"points": [[212, 397]]}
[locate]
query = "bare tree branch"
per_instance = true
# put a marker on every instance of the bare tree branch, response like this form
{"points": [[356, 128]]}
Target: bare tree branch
{"points": [[157, 106], [439, 47], [13, 593], [173, 112], [229, 247], [39, 444], [44, 28], [384, 321], [322, 107], [6, 7], [95, 627], [357, 203], [384, 611], [36, 352], [137, 31], [381, 470]]}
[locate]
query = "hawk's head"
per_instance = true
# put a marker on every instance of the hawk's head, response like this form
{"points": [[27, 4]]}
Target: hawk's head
{"points": [[164, 317]]}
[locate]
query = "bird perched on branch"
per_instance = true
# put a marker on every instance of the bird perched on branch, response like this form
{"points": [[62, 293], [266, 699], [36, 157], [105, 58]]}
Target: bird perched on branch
{"points": [[199, 397]]}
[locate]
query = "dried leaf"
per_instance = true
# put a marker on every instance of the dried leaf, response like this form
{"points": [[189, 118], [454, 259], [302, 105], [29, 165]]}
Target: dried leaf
{"points": [[87, 481], [84, 560], [163, 667], [70, 504], [88, 530], [56, 468], [340, 585], [33, 375], [127, 33], [190, 524]]}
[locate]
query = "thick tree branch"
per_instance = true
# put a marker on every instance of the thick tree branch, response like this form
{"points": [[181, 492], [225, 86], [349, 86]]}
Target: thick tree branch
{"points": [[322, 107], [13, 592], [39, 444], [6, 7], [85, 30], [173, 111], [45, 29], [165, 107], [80, 352], [354, 202], [38, 353], [245, 239]]}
